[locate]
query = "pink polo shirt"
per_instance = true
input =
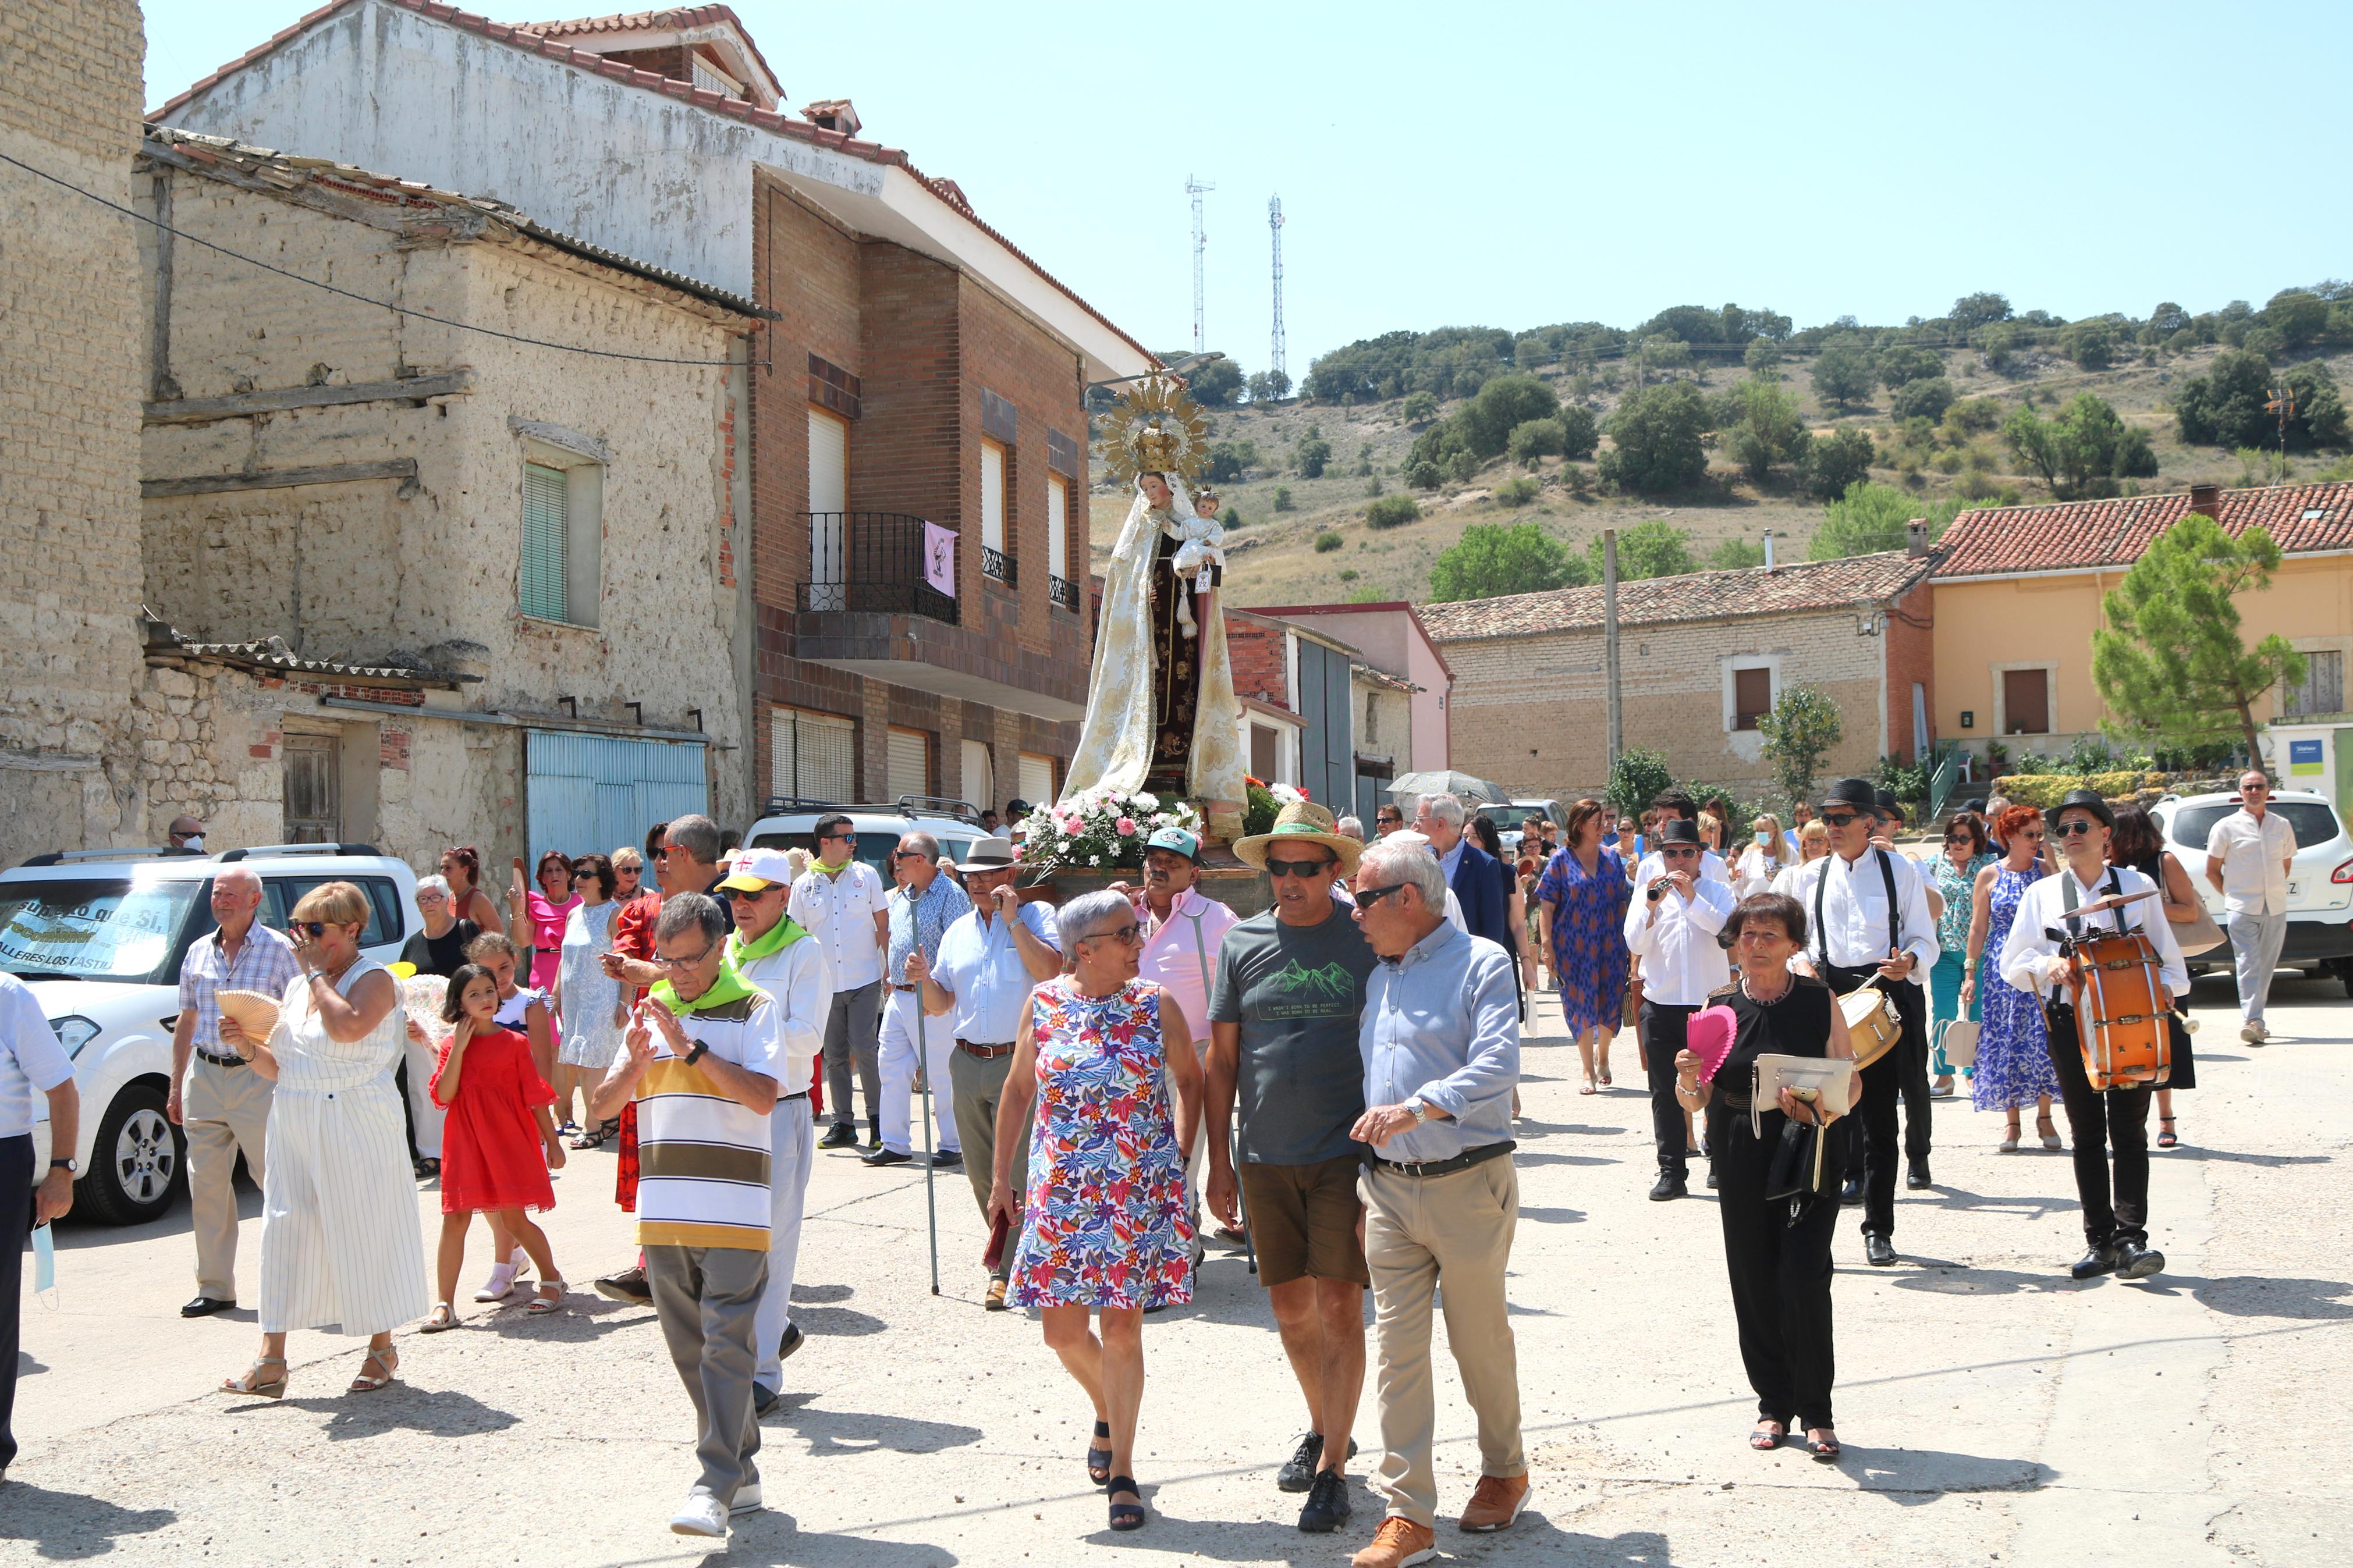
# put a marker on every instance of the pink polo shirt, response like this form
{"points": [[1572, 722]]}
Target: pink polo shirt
{"points": [[1181, 953]]}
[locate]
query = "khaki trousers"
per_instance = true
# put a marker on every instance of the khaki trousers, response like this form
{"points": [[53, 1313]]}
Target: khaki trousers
{"points": [[1421, 1232], [974, 1087], [222, 1112]]}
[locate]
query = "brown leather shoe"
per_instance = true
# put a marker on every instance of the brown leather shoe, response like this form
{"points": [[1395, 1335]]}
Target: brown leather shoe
{"points": [[1397, 1542], [1495, 1504], [996, 1299]]}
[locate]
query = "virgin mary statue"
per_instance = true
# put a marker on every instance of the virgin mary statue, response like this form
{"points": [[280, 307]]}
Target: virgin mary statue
{"points": [[1161, 712]]}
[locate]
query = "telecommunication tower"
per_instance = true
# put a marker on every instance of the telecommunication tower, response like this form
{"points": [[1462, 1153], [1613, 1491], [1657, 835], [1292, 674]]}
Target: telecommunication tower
{"points": [[1194, 188], [1276, 350]]}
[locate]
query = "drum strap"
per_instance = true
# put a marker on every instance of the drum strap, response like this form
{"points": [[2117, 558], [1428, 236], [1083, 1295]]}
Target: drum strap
{"points": [[1895, 910], [2067, 896]]}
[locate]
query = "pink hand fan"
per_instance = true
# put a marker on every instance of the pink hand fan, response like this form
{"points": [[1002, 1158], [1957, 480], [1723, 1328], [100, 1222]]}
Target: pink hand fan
{"points": [[1708, 1037]]}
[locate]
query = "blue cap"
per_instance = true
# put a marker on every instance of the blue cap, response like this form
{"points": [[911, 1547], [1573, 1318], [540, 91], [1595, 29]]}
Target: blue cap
{"points": [[1176, 838]]}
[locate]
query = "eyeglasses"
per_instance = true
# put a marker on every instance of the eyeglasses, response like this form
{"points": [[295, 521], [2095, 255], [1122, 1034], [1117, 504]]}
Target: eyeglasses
{"points": [[662, 854], [909, 854], [316, 929], [1298, 867], [687, 962], [1679, 852], [1126, 935], [424, 897], [1368, 896], [2074, 829], [1840, 819]]}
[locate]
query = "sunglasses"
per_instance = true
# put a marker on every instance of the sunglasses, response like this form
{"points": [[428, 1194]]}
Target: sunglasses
{"points": [[1126, 935], [844, 838], [2075, 830], [316, 929], [909, 854], [1298, 867], [745, 896], [1368, 896], [1679, 852], [1839, 819], [662, 853]]}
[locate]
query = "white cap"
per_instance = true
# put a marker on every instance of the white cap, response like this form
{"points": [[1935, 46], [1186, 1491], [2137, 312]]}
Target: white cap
{"points": [[757, 868]]}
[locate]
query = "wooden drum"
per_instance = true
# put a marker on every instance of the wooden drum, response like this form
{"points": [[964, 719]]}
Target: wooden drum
{"points": [[2121, 1005], [1872, 1024]]}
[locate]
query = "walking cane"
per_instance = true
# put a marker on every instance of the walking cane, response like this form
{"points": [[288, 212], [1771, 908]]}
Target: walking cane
{"points": [[923, 1074]]}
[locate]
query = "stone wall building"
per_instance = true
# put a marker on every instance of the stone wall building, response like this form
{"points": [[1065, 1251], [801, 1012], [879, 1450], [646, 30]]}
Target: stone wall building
{"points": [[349, 508], [69, 328], [1701, 657]]}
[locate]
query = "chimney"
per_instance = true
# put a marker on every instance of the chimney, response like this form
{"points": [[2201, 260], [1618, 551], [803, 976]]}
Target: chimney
{"points": [[1768, 550], [1915, 537], [2207, 498]]}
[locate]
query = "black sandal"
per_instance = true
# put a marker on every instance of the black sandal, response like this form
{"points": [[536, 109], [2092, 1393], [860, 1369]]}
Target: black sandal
{"points": [[1126, 1515], [2166, 1139], [1826, 1453], [1099, 1454], [1765, 1442]]}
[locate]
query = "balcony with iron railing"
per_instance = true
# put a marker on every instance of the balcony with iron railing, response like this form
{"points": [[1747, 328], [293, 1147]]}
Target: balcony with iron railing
{"points": [[996, 567], [1063, 592], [869, 562]]}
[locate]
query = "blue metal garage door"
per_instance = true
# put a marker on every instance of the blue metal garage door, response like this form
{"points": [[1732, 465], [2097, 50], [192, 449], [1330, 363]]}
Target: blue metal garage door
{"points": [[597, 792]]}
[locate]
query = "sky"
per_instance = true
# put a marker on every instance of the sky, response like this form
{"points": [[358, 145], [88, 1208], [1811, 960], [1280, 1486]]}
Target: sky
{"points": [[1517, 166]]}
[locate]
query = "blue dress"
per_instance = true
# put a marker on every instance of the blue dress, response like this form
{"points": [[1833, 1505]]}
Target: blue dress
{"points": [[1588, 945], [2013, 1048]]}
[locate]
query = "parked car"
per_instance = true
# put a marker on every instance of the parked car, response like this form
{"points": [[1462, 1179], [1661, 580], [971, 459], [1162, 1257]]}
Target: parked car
{"points": [[792, 825], [99, 936], [1521, 810], [2319, 884]]}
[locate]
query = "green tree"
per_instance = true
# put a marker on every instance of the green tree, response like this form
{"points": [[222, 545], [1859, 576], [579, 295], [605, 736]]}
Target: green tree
{"points": [[1269, 386], [1900, 363], [1420, 407], [1843, 371], [1839, 460], [1534, 438], [2170, 658], [1734, 554], [1800, 730], [2299, 315], [1972, 416], [1213, 385], [1871, 518], [1763, 357], [1580, 432], [1766, 427], [1492, 559], [1656, 435], [1314, 454], [1971, 311], [1927, 399], [2091, 344], [2170, 318], [1423, 474], [1392, 511], [2224, 407], [1636, 778], [1282, 502], [1653, 549], [1327, 541], [2081, 450], [1226, 459], [1502, 405]]}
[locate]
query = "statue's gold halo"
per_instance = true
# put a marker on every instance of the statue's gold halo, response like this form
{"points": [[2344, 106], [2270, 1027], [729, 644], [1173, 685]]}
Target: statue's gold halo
{"points": [[1155, 427]]}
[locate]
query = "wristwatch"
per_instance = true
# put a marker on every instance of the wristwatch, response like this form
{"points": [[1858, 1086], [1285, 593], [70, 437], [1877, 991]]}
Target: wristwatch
{"points": [[1420, 1110], [68, 1166], [695, 1055]]}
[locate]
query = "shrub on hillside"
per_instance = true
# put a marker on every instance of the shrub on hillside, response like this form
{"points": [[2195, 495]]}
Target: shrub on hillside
{"points": [[1843, 371], [1314, 454], [1492, 559], [1534, 438], [1971, 416], [1761, 426], [1502, 405], [2084, 450], [1392, 511], [1580, 432], [1927, 399], [2091, 344], [1282, 502], [1656, 440], [1226, 459], [1420, 407], [1327, 541], [1460, 467], [2224, 407], [1424, 475], [1900, 365], [1518, 491], [1837, 460], [1763, 358]]}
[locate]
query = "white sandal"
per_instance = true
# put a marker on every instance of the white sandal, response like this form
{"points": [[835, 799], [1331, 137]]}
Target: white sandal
{"points": [[2009, 1139], [500, 1285], [442, 1319], [541, 1304]]}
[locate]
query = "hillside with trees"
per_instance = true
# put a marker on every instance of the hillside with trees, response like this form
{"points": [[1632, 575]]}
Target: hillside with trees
{"points": [[1467, 462]]}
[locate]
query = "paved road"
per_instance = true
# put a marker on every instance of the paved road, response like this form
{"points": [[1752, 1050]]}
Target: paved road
{"points": [[1993, 1411]]}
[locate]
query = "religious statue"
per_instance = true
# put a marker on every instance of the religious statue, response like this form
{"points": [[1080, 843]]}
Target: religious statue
{"points": [[1161, 712]]}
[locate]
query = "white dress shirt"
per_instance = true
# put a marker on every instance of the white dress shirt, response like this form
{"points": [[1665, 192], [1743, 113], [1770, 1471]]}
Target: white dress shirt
{"points": [[32, 1063], [1680, 961], [1854, 911], [2026, 953], [982, 969], [839, 911], [2255, 856], [1651, 867]]}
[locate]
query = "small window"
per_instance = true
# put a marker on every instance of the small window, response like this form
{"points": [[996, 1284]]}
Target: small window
{"points": [[1037, 778], [996, 514], [1061, 588], [812, 756], [1752, 697], [1266, 747], [546, 541], [2026, 701], [908, 753], [979, 786], [383, 896], [2322, 691]]}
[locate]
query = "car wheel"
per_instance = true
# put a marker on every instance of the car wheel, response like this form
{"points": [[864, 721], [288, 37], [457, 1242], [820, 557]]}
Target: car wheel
{"points": [[2343, 969], [138, 1164]]}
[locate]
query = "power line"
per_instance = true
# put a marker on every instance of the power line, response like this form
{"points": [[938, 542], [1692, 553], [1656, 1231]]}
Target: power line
{"points": [[363, 298]]}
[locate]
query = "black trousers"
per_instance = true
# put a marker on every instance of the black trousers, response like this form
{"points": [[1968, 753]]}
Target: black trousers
{"points": [[16, 1224], [1903, 1073], [1665, 1028], [1780, 1273], [2098, 1121]]}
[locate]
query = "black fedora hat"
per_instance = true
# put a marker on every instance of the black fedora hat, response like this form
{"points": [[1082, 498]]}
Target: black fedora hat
{"points": [[1677, 830], [2088, 800], [1856, 793]]}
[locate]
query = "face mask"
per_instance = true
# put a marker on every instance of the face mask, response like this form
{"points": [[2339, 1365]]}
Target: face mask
{"points": [[195, 841], [1764, 841]]}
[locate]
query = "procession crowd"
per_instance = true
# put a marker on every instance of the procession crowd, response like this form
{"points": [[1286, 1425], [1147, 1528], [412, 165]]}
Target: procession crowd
{"points": [[1332, 1082]]}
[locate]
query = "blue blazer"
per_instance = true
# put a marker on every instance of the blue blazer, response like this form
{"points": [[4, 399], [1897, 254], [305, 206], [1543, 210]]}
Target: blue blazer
{"points": [[1478, 884]]}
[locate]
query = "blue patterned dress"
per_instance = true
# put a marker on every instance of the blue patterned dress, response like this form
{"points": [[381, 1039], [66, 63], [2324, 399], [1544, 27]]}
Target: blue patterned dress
{"points": [[1104, 1224], [2013, 1048], [1588, 945]]}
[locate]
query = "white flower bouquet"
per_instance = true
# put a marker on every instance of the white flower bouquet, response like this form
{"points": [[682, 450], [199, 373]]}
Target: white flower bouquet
{"points": [[1099, 830]]}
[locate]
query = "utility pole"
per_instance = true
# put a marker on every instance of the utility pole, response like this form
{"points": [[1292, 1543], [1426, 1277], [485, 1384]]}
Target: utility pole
{"points": [[1610, 642], [1194, 188], [1279, 372], [2281, 403]]}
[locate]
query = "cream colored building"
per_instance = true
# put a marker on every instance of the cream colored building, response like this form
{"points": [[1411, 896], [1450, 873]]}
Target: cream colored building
{"points": [[426, 584], [69, 325]]}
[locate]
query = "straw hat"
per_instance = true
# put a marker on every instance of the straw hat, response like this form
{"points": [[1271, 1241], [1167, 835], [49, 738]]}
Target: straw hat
{"points": [[1302, 822]]}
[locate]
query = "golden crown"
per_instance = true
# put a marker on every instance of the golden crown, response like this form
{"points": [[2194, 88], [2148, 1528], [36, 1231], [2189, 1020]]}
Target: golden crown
{"points": [[1155, 427]]}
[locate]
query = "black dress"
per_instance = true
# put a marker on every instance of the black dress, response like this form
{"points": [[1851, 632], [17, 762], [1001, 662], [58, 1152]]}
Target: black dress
{"points": [[2184, 1073], [1779, 1268], [1176, 669]]}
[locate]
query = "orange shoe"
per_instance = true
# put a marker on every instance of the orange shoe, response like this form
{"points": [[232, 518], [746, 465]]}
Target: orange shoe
{"points": [[1397, 1542], [1495, 1504]]}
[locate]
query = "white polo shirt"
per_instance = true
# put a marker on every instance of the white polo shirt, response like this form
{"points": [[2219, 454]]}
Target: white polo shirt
{"points": [[839, 911], [2255, 856], [32, 1063]]}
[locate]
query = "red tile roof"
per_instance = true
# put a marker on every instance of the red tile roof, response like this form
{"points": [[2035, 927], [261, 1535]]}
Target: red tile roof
{"points": [[522, 37], [2072, 535], [679, 16], [1790, 589]]}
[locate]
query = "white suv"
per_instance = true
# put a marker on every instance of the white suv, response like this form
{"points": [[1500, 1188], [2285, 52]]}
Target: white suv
{"points": [[2320, 877], [99, 935], [792, 825]]}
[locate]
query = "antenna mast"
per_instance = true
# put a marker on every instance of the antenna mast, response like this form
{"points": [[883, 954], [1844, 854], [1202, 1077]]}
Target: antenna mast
{"points": [[1280, 374], [1194, 188]]}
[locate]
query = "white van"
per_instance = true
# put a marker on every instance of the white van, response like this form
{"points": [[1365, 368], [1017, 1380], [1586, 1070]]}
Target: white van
{"points": [[98, 935], [792, 825]]}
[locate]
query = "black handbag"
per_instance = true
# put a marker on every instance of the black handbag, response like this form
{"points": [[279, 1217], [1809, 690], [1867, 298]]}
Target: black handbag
{"points": [[1791, 1173]]}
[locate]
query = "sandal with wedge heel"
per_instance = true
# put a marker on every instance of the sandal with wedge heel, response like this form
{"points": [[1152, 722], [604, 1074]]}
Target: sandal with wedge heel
{"points": [[387, 1360], [253, 1386]]}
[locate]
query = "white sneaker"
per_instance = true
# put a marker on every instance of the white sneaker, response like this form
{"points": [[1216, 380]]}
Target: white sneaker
{"points": [[699, 1515], [747, 1499], [2251, 1033], [500, 1285]]}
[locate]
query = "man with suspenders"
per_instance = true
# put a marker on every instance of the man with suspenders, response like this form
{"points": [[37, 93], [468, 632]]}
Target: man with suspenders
{"points": [[1868, 908]]}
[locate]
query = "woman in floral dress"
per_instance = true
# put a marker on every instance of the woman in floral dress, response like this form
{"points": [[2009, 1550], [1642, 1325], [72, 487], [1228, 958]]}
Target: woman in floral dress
{"points": [[1581, 903], [1104, 1227], [2013, 1053]]}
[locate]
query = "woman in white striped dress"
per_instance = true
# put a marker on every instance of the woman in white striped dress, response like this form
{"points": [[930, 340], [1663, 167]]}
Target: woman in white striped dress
{"points": [[339, 1238]]}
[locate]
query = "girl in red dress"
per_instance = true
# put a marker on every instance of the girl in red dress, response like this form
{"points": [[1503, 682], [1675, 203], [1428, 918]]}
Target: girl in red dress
{"points": [[499, 1143]]}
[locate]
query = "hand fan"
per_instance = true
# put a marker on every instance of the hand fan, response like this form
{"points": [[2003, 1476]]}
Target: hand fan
{"points": [[1708, 1037]]}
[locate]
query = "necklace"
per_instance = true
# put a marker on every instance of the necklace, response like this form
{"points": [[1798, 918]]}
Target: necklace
{"points": [[1782, 996]]}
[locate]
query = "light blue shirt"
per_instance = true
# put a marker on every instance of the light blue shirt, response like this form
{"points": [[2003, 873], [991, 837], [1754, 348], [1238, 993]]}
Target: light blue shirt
{"points": [[32, 1063], [1451, 859], [924, 919], [1441, 1025], [982, 969]]}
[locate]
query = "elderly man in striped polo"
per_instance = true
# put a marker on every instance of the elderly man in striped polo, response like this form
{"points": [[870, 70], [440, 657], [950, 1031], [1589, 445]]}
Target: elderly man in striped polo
{"points": [[704, 1060]]}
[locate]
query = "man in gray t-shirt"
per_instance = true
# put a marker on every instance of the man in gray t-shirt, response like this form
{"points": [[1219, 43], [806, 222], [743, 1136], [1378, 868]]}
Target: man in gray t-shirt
{"points": [[1283, 1019]]}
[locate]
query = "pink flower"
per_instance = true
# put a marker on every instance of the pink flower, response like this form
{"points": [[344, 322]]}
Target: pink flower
{"points": [[1127, 828]]}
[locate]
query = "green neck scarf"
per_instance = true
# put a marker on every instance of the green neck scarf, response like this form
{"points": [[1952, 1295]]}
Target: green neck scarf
{"points": [[780, 936], [728, 987]]}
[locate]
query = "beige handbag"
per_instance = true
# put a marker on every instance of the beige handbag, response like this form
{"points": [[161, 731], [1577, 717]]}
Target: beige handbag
{"points": [[1958, 1039]]}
